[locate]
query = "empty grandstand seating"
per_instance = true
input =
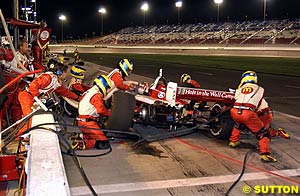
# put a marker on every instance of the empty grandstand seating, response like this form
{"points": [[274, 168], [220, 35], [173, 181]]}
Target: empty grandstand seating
{"points": [[248, 32]]}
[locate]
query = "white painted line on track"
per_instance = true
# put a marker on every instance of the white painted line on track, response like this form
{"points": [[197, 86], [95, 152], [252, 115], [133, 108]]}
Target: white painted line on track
{"points": [[164, 184], [287, 115], [204, 73], [106, 72], [295, 137], [289, 86], [290, 97]]}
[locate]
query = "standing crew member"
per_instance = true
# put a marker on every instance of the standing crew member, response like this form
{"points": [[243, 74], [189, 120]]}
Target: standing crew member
{"points": [[248, 96], [23, 54], [91, 107], [50, 81], [119, 74], [76, 56]]}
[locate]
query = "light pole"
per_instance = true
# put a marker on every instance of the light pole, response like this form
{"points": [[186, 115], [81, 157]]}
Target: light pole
{"points": [[102, 11], [34, 13], [265, 9], [62, 18], [145, 8], [218, 2], [178, 4]]}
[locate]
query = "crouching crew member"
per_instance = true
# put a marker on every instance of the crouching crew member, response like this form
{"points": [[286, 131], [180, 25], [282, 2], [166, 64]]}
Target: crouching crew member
{"points": [[50, 81], [76, 82], [187, 79], [91, 107], [248, 96]]}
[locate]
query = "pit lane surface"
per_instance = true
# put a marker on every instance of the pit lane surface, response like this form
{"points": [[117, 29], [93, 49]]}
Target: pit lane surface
{"points": [[187, 166]]}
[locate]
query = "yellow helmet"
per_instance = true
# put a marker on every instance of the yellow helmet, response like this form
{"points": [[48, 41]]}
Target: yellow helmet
{"points": [[184, 78], [103, 83], [77, 72], [126, 66], [248, 77]]}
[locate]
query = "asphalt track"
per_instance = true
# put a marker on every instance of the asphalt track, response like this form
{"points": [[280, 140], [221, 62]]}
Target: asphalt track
{"points": [[196, 164]]}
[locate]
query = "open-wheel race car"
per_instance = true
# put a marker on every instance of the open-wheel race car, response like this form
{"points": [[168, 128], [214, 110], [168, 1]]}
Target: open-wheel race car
{"points": [[172, 107]]}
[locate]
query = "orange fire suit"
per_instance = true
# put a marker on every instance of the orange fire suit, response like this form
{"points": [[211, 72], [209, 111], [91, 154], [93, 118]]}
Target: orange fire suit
{"points": [[116, 77], [265, 114], [248, 97], [46, 82], [91, 106]]}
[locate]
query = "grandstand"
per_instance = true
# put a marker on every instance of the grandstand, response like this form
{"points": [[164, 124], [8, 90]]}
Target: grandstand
{"points": [[228, 33]]}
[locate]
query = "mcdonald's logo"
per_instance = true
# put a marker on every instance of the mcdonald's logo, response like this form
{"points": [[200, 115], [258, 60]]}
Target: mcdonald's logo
{"points": [[247, 90]]}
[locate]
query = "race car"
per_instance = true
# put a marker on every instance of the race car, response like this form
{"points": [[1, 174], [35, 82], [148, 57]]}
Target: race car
{"points": [[166, 105]]}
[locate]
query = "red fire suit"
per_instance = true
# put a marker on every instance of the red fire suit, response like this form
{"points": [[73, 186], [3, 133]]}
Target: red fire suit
{"points": [[76, 84], [248, 97], [194, 83], [13, 91], [116, 77], [91, 106], [80, 87], [46, 82]]}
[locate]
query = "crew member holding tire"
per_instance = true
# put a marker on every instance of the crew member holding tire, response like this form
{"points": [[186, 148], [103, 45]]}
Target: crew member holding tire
{"points": [[248, 96], [91, 107]]}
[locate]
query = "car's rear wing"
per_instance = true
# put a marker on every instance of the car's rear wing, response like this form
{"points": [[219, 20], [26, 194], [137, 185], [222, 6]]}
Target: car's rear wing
{"points": [[205, 95]]}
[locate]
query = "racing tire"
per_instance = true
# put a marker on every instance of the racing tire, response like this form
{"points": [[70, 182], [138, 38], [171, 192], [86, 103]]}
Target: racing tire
{"points": [[68, 109], [122, 111], [221, 127]]}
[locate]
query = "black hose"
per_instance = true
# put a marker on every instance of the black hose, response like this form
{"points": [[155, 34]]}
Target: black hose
{"points": [[75, 157], [241, 175], [86, 156]]}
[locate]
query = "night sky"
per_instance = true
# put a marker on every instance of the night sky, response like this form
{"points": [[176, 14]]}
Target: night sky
{"points": [[83, 17]]}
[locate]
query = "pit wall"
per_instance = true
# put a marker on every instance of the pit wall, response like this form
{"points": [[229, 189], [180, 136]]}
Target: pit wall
{"points": [[254, 51]]}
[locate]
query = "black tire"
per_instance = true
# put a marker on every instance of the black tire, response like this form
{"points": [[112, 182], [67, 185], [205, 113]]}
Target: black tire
{"points": [[221, 127], [68, 109], [122, 111]]}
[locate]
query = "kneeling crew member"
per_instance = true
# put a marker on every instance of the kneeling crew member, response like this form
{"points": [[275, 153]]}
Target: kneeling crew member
{"points": [[91, 106], [76, 82]]}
